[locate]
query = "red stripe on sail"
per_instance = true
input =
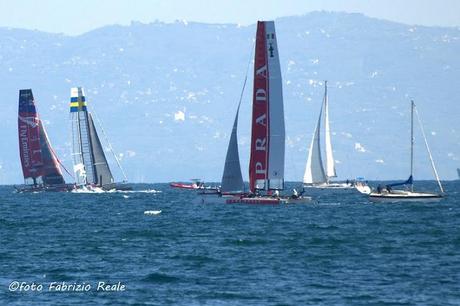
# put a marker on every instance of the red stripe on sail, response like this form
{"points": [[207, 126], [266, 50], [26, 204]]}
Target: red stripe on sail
{"points": [[259, 136]]}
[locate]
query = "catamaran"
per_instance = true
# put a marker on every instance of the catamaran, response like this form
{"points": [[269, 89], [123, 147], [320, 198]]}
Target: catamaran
{"points": [[315, 175], [92, 171], [195, 184], [40, 165], [266, 165], [387, 193]]}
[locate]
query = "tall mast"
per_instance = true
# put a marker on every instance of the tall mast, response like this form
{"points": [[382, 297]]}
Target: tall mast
{"points": [[412, 145], [327, 128]]}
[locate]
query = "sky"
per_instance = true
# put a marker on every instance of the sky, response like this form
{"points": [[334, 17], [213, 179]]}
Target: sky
{"points": [[76, 17]]}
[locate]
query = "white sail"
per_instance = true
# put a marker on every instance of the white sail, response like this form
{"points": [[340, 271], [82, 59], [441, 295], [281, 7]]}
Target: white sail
{"points": [[314, 171], [276, 111], [330, 163], [232, 179]]}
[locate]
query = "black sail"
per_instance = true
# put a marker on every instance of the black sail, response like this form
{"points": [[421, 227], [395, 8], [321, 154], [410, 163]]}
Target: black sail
{"points": [[103, 173]]}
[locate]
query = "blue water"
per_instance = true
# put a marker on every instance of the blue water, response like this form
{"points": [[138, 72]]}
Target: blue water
{"points": [[340, 250]]}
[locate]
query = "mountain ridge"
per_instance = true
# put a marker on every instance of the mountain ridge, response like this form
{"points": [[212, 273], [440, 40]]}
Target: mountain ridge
{"points": [[180, 82]]}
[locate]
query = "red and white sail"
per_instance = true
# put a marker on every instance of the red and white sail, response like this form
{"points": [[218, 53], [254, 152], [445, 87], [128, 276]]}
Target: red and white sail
{"points": [[39, 164], [266, 165]]}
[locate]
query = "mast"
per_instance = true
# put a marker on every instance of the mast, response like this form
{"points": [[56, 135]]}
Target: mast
{"points": [[412, 146], [330, 163]]}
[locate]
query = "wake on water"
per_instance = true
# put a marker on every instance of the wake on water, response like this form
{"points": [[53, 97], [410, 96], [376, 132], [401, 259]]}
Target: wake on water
{"points": [[152, 212], [100, 190]]}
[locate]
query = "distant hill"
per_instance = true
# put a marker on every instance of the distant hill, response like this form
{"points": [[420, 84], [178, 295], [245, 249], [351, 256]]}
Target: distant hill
{"points": [[167, 93]]}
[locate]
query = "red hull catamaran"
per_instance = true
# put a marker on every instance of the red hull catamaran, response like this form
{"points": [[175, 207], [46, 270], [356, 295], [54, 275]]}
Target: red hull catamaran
{"points": [[40, 165], [266, 164]]}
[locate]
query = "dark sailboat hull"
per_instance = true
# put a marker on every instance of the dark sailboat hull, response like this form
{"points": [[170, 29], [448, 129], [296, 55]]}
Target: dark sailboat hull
{"points": [[117, 187]]}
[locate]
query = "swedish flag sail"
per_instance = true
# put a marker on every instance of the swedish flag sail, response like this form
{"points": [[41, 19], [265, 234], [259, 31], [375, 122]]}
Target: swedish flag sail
{"points": [[90, 163]]}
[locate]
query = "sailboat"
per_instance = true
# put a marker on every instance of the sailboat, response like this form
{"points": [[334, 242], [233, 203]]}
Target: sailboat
{"points": [[266, 165], [315, 173], [40, 165], [387, 193], [91, 168]]}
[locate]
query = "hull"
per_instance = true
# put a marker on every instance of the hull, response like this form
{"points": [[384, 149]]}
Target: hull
{"points": [[117, 187], [331, 186], [49, 188], [257, 200], [404, 196], [98, 189], [184, 186], [193, 186], [363, 188]]}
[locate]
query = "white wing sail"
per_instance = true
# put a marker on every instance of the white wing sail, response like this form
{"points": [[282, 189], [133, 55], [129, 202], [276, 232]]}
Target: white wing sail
{"points": [[276, 111]]}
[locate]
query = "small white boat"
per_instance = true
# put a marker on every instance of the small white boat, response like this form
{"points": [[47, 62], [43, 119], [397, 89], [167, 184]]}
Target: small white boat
{"points": [[387, 193], [317, 175], [362, 187]]}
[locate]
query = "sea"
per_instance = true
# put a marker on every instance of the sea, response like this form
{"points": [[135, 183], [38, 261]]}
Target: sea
{"points": [[153, 246]]}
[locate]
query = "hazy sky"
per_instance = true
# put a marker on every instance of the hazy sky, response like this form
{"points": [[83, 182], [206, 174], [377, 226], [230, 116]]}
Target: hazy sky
{"points": [[76, 17]]}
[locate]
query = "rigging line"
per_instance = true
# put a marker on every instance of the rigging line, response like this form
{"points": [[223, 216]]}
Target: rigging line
{"points": [[246, 76], [60, 163], [245, 82], [110, 145], [429, 151]]}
